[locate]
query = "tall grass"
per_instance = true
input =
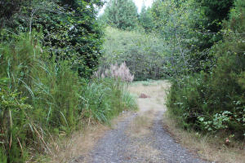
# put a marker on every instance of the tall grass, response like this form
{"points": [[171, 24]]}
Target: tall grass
{"points": [[40, 96], [104, 98]]}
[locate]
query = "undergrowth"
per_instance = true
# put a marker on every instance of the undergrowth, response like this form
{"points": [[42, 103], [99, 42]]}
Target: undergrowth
{"points": [[212, 147], [213, 101], [41, 96]]}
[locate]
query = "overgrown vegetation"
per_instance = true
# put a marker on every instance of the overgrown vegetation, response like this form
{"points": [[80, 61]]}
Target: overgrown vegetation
{"points": [[41, 97], [214, 101], [70, 30], [142, 53], [200, 45], [48, 51]]}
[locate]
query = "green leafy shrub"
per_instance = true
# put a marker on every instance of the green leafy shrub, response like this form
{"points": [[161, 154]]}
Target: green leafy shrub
{"points": [[214, 101], [144, 54], [195, 103]]}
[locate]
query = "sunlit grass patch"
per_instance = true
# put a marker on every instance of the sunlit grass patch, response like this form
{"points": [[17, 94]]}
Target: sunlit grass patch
{"points": [[148, 82]]}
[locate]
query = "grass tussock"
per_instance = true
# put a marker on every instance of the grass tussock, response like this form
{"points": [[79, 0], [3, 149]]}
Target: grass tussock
{"points": [[209, 147], [76, 146], [146, 151]]}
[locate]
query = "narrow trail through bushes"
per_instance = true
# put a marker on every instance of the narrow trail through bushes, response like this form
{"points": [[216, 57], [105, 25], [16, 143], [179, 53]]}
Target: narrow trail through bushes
{"points": [[140, 137]]}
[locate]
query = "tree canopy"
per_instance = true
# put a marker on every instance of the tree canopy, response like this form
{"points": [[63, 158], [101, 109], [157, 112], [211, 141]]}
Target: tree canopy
{"points": [[121, 14], [70, 30]]}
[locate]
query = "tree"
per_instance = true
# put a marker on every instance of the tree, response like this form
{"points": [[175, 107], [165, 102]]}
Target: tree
{"points": [[175, 21], [146, 19], [121, 14], [70, 30], [7, 9], [215, 11]]}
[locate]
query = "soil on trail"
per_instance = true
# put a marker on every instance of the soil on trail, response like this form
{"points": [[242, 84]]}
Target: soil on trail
{"points": [[140, 137]]}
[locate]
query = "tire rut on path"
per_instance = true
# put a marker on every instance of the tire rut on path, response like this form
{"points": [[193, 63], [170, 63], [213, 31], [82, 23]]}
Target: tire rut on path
{"points": [[172, 151], [118, 147]]}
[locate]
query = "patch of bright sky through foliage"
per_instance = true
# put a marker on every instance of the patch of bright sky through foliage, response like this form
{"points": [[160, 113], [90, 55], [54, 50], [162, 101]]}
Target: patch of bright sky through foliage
{"points": [[139, 4]]}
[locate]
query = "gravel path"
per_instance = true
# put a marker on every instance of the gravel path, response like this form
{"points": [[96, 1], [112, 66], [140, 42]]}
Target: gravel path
{"points": [[117, 147], [173, 152], [112, 147], [157, 147]]}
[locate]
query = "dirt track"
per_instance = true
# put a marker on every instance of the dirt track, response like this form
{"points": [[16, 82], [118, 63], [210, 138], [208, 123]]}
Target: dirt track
{"points": [[141, 137]]}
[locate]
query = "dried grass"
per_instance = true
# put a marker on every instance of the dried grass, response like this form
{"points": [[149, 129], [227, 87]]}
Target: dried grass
{"points": [[145, 151], [77, 145], [207, 147], [141, 125], [121, 72]]}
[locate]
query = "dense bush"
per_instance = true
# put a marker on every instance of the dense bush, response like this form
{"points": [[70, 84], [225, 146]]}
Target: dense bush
{"points": [[39, 96], [144, 54], [48, 51], [70, 28], [215, 101]]}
